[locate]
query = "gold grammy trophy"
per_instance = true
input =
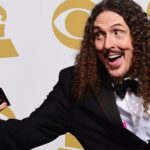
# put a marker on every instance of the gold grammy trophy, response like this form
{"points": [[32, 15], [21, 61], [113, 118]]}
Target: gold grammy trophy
{"points": [[7, 48]]}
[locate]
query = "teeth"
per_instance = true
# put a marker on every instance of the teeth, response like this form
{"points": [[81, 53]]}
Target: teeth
{"points": [[113, 56]]}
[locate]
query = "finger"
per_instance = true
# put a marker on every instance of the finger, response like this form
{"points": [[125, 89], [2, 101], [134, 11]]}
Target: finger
{"points": [[3, 106]]}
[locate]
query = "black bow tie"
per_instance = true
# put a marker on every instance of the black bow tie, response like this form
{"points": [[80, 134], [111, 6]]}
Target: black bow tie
{"points": [[121, 89]]}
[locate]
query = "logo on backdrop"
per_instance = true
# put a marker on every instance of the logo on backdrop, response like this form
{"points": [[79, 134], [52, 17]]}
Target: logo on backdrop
{"points": [[73, 15], [7, 48]]}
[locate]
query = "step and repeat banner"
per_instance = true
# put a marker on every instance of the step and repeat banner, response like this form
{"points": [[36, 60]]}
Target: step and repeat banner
{"points": [[38, 38]]}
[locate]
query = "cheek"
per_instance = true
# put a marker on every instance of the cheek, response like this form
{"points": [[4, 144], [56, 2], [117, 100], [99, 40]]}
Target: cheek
{"points": [[98, 46], [129, 56], [125, 44]]}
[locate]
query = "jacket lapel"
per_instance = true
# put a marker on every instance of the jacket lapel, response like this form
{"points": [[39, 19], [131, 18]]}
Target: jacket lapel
{"points": [[106, 100]]}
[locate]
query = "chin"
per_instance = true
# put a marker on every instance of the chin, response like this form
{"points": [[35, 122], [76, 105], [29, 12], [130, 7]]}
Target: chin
{"points": [[116, 74]]}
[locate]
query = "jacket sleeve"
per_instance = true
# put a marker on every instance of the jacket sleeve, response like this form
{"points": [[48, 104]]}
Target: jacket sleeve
{"points": [[51, 119]]}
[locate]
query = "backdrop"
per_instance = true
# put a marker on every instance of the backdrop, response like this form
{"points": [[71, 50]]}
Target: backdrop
{"points": [[38, 38]]}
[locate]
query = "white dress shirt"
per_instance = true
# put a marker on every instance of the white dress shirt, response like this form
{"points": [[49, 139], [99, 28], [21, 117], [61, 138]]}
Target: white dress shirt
{"points": [[133, 116]]}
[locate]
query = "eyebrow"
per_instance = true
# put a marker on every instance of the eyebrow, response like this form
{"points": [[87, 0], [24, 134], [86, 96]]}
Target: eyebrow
{"points": [[114, 25], [117, 24]]}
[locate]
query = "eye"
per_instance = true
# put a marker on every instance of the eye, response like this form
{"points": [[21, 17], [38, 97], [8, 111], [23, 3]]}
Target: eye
{"points": [[99, 35], [118, 32]]}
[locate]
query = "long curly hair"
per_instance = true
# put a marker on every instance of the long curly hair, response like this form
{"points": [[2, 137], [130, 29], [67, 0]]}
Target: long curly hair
{"points": [[87, 72]]}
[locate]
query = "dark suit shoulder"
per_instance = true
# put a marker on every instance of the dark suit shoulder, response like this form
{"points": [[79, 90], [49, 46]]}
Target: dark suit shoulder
{"points": [[66, 74], [68, 70]]}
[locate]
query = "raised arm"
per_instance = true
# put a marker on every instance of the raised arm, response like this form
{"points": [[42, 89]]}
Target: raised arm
{"points": [[51, 119]]}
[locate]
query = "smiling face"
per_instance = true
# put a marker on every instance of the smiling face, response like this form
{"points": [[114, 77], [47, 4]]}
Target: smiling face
{"points": [[113, 43]]}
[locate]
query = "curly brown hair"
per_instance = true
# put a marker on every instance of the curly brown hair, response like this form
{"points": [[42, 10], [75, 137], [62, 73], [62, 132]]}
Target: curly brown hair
{"points": [[87, 69]]}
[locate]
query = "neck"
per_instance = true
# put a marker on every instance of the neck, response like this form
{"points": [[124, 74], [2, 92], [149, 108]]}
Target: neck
{"points": [[117, 80]]}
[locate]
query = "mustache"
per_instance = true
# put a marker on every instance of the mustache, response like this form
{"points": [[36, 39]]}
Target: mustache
{"points": [[106, 52]]}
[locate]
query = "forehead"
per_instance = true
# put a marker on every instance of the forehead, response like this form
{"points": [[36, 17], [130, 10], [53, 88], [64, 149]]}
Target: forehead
{"points": [[109, 18]]}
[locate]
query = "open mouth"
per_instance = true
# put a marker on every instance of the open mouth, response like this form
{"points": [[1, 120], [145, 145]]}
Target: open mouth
{"points": [[113, 55]]}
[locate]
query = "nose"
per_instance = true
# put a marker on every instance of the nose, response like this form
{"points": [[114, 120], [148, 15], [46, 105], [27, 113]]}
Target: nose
{"points": [[108, 43]]}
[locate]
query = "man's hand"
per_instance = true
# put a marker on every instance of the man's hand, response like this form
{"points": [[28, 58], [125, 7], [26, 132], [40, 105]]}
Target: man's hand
{"points": [[3, 106]]}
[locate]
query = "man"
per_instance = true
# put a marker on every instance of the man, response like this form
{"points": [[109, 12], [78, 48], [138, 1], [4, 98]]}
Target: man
{"points": [[104, 99]]}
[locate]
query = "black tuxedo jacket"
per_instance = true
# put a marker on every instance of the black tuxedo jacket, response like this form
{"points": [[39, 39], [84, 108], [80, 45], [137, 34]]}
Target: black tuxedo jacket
{"points": [[94, 121]]}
